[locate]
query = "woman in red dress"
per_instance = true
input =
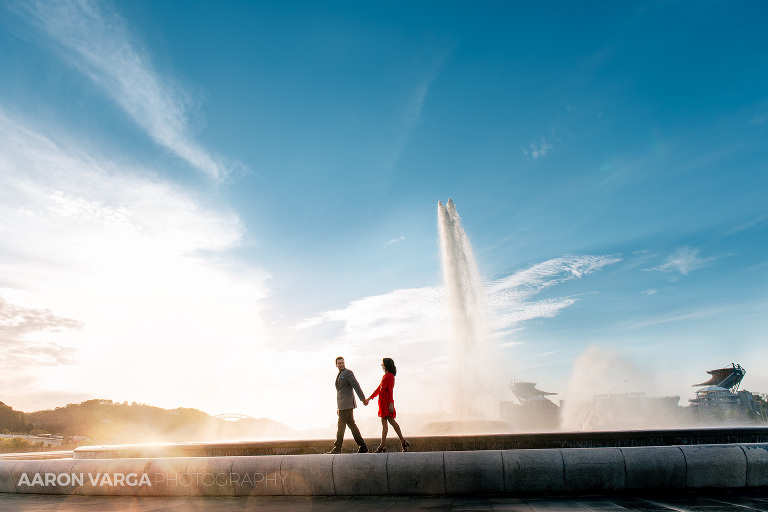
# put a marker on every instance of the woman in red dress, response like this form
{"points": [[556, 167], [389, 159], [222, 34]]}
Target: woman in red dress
{"points": [[387, 411]]}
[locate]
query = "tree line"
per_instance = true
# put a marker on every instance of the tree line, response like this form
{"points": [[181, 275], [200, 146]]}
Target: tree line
{"points": [[107, 422]]}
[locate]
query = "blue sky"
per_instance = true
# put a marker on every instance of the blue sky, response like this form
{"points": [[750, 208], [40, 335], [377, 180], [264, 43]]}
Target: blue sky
{"points": [[202, 204]]}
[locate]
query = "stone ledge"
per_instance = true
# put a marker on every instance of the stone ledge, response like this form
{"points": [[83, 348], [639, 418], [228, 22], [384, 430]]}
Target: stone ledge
{"points": [[497, 472], [530, 441]]}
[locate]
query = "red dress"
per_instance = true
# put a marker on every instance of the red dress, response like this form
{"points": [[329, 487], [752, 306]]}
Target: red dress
{"points": [[384, 392]]}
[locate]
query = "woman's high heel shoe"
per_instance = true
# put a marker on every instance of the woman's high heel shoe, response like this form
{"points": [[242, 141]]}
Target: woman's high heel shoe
{"points": [[406, 445], [381, 449]]}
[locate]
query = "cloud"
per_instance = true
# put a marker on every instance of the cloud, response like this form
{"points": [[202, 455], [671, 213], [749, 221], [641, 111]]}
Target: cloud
{"points": [[415, 104], [538, 151], [409, 115], [757, 120], [17, 321], [758, 221], [650, 291], [412, 324], [108, 273], [412, 314], [394, 241], [679, 317], [509, 298], [52, 180], [550, 273], [26, 344], [96, 40], [418, 314], [684, 260], [19, 352]]}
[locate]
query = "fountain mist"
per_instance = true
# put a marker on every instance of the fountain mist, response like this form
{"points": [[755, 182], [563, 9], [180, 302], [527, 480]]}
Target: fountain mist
{"points": [[467, 311]]}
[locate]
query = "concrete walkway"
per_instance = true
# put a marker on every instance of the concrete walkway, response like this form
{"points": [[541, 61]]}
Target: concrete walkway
{"points": [[720, 501]]}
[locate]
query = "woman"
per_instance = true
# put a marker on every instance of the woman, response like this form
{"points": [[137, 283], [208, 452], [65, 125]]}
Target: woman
{"points": [[387, 411]]}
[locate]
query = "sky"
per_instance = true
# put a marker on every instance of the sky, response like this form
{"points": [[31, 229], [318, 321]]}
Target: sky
{"points": [[202, 204]]}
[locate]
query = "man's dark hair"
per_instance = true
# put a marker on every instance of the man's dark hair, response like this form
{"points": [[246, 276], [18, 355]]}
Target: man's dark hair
{"points": [[340, 357], [389, 365]]}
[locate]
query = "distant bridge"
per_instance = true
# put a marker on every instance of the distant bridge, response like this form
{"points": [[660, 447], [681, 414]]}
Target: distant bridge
{"points": [[233, 416]]}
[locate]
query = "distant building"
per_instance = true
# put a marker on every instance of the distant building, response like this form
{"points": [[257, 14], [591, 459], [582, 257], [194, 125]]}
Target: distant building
{"points": [[719, 398], [535, 412]]}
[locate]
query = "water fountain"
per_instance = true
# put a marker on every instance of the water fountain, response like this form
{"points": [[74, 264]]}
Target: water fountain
{"points": [[509, 464], [466, 308]]}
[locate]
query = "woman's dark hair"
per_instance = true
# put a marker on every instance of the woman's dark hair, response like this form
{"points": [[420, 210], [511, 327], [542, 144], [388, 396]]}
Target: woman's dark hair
{"points": [[389, 365]]}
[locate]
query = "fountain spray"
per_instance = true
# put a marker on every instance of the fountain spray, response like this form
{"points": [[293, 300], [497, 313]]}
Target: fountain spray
{"points": [[467, 311]]}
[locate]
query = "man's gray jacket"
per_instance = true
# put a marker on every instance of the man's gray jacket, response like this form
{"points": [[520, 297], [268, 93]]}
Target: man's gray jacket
{"points": [[345, 383]]}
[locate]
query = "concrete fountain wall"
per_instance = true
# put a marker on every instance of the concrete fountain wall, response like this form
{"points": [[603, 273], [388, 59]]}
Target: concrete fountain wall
{"points": [[612, 439], [507, 472]]}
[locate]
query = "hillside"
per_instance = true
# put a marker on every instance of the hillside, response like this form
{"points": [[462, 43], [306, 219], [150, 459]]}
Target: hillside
{"points": [[108, 422], [13, 421]]}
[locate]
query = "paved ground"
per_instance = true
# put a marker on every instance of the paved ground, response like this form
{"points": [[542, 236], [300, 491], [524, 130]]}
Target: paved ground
{"points": [[689, 502]]}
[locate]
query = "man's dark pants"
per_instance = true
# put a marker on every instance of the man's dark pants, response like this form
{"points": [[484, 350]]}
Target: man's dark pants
{"points": [[347, 419]]}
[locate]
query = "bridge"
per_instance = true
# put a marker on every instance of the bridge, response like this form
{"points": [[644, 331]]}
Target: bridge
{"points": [[233, 416]]}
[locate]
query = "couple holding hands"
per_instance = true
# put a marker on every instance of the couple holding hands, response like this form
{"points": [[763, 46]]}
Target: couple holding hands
{"points": [[346, 383]]}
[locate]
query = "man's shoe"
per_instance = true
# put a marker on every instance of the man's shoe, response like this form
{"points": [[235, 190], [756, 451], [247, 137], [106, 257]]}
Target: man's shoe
{"points": [[334, 451], [363, 449]]}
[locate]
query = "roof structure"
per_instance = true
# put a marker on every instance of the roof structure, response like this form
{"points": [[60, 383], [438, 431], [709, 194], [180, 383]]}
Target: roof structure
{"points": [[728, 377], [527, 390]]}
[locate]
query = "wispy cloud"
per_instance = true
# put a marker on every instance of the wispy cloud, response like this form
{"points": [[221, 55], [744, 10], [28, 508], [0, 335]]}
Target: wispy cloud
{"points": [[757, 221], [684, 260], [510, 298], [95, 39], [394, 241], [551, 272], [538, 150], [679, 317], [412, 313], [418, 314], [16, 321], [20, 352], [410, 110], [415, 104]]}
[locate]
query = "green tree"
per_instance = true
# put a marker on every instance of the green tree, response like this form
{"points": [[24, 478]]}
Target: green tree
{"points": [[14, 421]]}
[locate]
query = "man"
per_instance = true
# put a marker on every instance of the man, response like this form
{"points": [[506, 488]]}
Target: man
{"points": [[345, 402]]}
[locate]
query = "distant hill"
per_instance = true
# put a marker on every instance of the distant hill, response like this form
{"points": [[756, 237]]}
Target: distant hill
{"points": [[215, 429], [108, 422], [13, 421]]}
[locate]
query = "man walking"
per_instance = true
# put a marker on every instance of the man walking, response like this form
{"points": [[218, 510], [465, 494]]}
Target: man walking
{"points": [[345, 401]]}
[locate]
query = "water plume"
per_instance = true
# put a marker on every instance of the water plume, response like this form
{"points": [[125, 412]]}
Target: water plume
{"points": [[607, 391], [468, 315]]}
